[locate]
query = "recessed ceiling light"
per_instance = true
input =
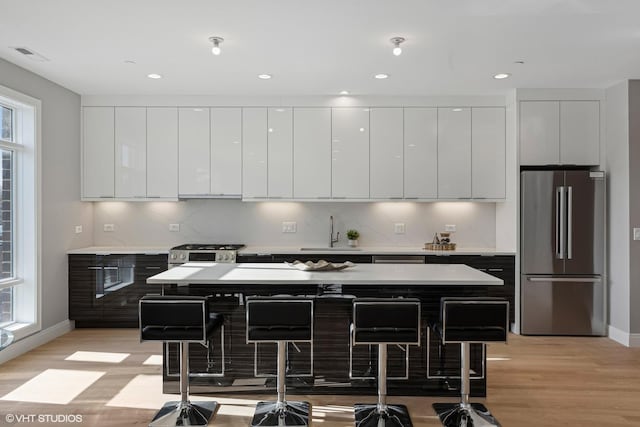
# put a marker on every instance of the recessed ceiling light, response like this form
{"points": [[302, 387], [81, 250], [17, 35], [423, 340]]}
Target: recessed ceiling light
{"points": [[128, 61], [264, 76], [216, 50], [344, 92], [280, 110], [457, 110], [381, 76], [396, 41], [154, 76], [501, 76]]}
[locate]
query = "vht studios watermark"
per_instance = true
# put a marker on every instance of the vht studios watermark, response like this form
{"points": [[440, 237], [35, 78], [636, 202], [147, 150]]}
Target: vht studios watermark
{"points": [[45, 419]]}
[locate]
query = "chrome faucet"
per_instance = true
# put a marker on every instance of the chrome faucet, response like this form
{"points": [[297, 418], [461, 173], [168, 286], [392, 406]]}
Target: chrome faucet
{"points": [[331, 239]]}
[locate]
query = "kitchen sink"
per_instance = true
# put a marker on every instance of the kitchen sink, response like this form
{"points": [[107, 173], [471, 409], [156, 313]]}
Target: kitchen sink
{"points": [[328, 249]]}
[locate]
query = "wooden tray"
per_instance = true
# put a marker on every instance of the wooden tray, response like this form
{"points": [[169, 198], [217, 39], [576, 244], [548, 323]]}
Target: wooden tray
{"points": [[440, 246]]}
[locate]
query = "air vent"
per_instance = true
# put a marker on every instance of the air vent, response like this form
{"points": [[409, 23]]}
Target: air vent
{"points": [[34, 56]]}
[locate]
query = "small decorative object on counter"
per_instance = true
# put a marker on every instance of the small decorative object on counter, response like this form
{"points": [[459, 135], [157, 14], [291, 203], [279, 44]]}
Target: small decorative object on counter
{"points": [[353, 235], [441, 244], [321, 265]]}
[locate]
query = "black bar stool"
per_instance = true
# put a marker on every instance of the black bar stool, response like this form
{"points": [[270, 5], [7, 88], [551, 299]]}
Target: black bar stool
{"points": [[466, 321], [383, 321], [181, 319], [280, 320]]}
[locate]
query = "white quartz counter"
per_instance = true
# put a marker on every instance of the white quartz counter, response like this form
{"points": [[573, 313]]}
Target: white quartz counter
{"points": [[360, 274], [268, 250], [108, 250], [368, 250]]}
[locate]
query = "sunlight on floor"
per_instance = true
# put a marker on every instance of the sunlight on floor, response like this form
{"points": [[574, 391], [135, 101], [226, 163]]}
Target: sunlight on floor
{"points": [[58, 386], [97, 356], [145, 392], [155, 359]]}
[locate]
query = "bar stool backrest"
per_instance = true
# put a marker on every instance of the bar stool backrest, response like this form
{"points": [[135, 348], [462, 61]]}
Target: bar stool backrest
{"points": [[386, 320], [271, 319], [173, 318], [474, 319]]}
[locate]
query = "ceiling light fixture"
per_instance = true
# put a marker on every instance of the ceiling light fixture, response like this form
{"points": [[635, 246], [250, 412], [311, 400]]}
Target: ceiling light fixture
{"points": [[397, 50], [264, 76], [501, 76], [154, 76], [381, 76], [216, 45], [344, 92]]}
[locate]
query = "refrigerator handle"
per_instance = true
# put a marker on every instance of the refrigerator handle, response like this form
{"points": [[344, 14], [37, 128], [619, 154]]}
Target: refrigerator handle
{"points": [[560, 222], [565, 279], [569, 221]]}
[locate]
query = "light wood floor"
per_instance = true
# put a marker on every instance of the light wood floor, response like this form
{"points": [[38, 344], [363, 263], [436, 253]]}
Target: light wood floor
{"points": [[532, 382]]}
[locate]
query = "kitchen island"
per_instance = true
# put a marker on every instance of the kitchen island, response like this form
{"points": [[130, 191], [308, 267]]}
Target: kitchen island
{"points": [[327, 367]]}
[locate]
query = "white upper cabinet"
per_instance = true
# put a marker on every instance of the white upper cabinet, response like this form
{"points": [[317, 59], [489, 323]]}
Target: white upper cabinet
{"points": [[162, 152], [488, 153], [539, 132], [226, 151], [98, 152], [454, 153], [350, 153], [311, 153], [420, 153], [280, 153], [386, 153], [131, 152], [254, 152], [559, 132], [580, 132], [193, 151]]}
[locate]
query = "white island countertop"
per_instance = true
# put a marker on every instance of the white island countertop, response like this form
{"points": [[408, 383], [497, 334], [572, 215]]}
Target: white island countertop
{"points": [[360, 274]]}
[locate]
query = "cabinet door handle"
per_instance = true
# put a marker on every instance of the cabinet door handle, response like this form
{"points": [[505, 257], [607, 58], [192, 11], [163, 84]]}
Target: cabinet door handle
{"points": [[496, 269], [94, 268], [110, 268], [153, 268]]}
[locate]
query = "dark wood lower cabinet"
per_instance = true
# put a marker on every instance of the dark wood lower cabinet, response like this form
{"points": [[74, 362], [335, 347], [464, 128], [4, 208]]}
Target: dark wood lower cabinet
{"points": [[104, 290], [500, 266]]}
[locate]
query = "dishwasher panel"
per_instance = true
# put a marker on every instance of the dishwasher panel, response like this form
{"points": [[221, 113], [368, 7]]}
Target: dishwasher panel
{"points": [[399, 259]]}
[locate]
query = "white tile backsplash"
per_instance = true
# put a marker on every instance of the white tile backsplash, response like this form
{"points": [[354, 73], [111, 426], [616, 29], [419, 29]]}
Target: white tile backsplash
{"points": [[260, 223]]}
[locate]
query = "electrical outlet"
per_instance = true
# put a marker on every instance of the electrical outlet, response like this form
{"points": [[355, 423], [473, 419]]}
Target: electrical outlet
{"points": [[450, 228], [174, 227], [108, 227], [78, 229], [289, 227], [636, 234], [399, 228]]}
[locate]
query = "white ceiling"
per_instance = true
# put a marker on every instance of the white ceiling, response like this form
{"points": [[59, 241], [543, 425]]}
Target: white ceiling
{"points": [[320, 47]]}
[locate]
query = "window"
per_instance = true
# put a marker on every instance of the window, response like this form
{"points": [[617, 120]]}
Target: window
{"points": [[19, 206], [6, 213]]}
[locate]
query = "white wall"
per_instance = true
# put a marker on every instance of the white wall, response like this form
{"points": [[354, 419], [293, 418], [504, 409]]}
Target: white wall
{"points": [[634, 206], [60, 184], [260, 223], [617, 166]]}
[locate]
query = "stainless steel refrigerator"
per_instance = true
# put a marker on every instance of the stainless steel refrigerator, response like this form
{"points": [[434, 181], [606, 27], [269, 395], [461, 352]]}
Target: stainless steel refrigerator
{"points": [[562, 252]]}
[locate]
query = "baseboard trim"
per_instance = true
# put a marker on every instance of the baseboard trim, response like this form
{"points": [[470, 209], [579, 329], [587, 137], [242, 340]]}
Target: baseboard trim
{"points": [[625, 338], [36, 340]]}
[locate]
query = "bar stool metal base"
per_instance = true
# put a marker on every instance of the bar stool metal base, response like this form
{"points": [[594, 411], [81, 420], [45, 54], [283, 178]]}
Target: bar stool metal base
{"points": [[272, 413], [184, 414], [368, 415], [458, 415]]}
